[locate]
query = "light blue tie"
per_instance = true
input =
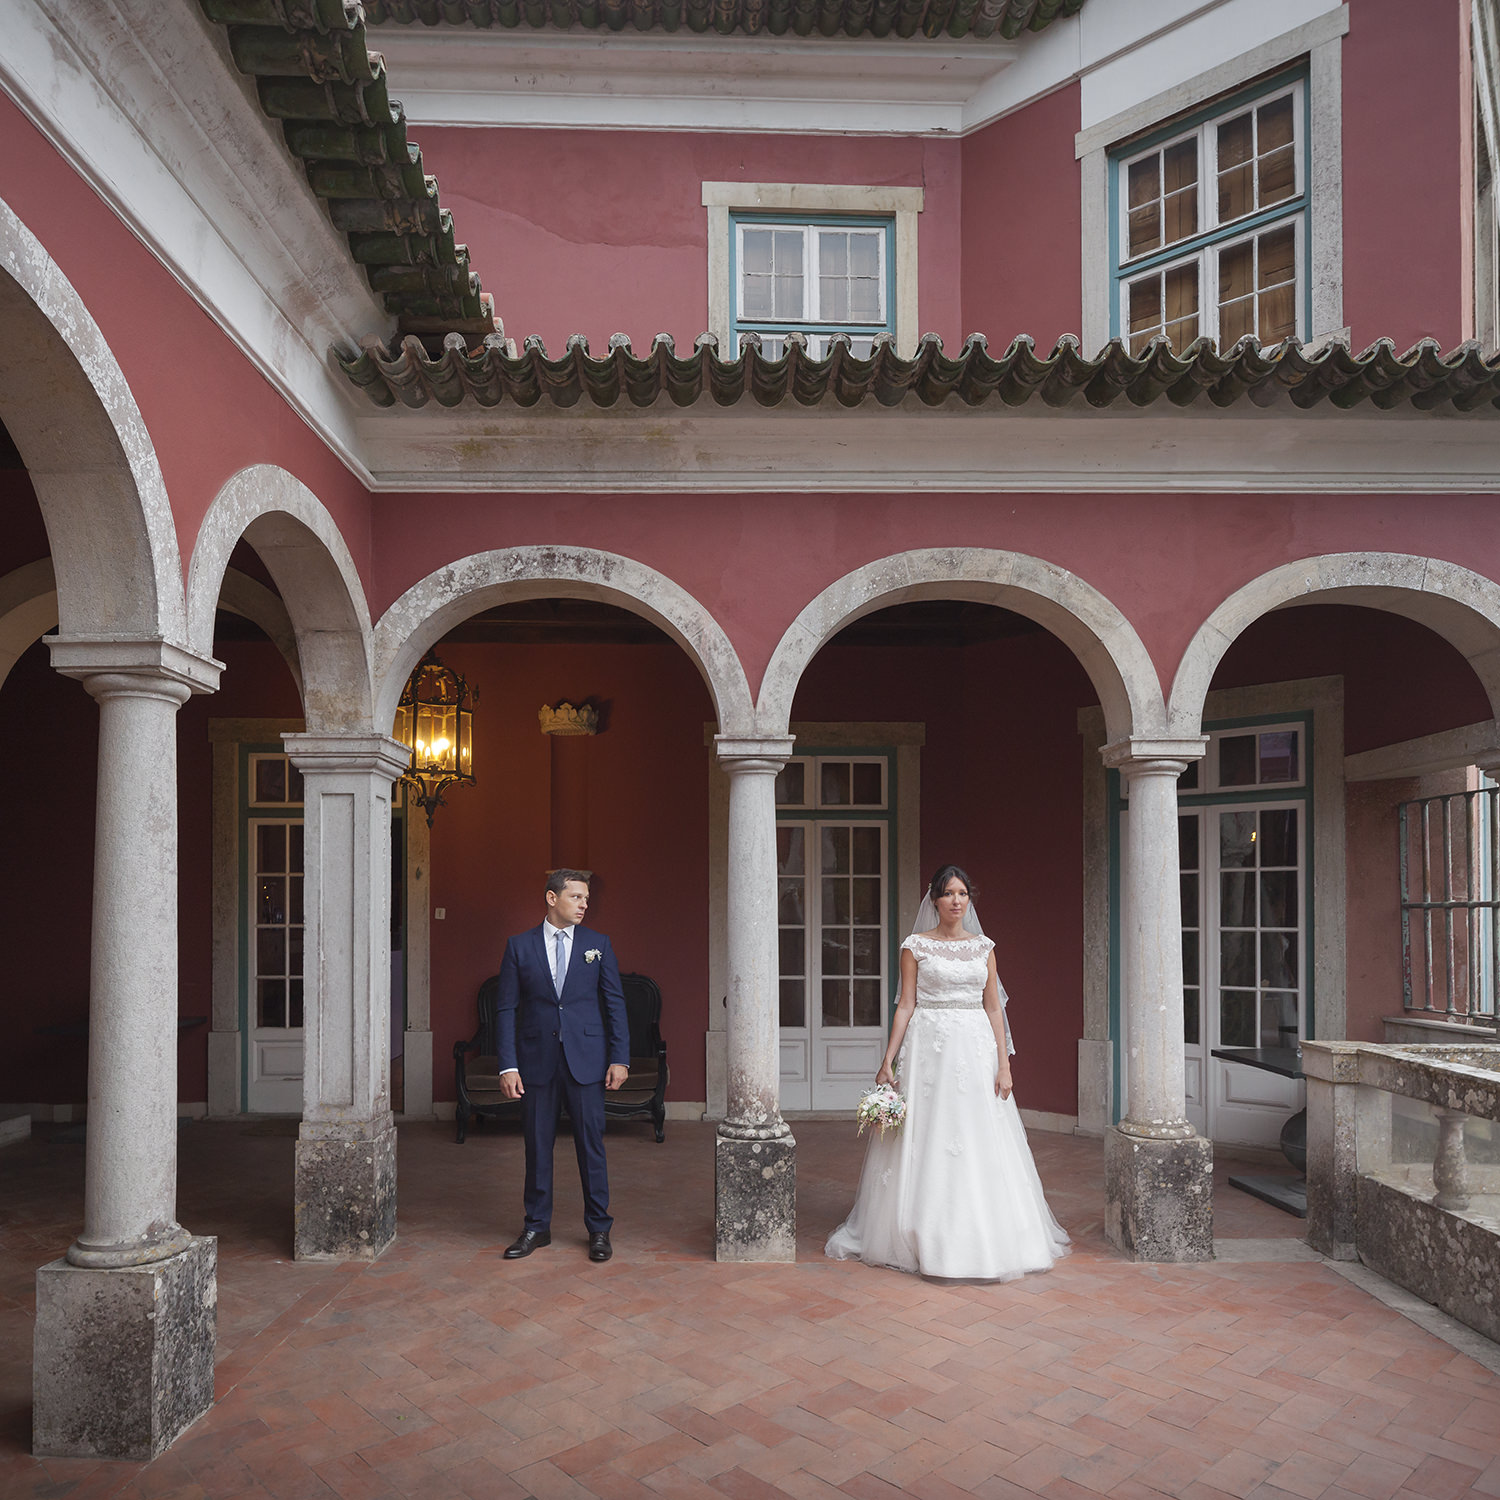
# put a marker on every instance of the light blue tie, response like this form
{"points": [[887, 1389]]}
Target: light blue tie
{"points": [[559, 968]]}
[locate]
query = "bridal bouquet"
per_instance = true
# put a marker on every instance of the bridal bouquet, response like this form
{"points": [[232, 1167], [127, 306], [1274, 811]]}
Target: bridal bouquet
{"points": [[883, 1108]]}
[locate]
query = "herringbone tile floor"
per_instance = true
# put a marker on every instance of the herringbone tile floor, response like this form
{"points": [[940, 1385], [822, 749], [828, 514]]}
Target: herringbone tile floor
{"points": [[443, 1371]]}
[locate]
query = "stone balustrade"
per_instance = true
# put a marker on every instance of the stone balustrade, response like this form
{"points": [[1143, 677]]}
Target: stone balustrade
{"points": [[1403, 1167]]}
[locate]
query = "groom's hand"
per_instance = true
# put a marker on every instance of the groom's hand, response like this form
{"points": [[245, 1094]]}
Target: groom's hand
{"points": [[617, 1075], [511, 1085]]}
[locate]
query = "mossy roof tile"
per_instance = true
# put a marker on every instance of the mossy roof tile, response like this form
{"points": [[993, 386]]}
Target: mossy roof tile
{"points": [[1423, 378]]}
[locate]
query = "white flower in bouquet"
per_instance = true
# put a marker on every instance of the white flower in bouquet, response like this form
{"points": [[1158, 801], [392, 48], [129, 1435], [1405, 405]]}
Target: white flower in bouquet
{"points": [[883, 1108]]}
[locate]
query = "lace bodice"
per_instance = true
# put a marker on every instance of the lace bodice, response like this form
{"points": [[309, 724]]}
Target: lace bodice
{"points": [[950, 976]]}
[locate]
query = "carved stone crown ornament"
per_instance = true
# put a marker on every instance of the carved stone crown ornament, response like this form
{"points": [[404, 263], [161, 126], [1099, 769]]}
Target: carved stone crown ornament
{"points": [[565, 719]]}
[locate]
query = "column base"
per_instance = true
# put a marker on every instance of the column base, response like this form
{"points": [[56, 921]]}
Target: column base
{"points": [[345, 1193], [1159, 1197], [124, 1359], [755, 1199]]}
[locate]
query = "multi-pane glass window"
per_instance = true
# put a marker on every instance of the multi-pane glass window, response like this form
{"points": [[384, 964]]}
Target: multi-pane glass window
{"points": [[276, 876], [831, 890], [1211, 225], [1259, 947], [818, 278]]}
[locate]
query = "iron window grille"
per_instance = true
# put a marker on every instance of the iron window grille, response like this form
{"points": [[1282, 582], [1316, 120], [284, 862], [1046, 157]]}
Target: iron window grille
{"points": [[1450, 914]]}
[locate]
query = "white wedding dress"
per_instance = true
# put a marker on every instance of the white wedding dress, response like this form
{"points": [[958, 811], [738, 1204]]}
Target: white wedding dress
{"points": [[954, 1192]]}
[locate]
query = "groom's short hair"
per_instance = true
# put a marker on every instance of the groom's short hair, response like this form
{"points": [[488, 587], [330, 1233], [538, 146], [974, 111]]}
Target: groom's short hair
{"points": [[557, 879]]}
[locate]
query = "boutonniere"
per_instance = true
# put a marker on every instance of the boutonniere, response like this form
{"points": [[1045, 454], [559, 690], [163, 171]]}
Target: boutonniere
{"points": [[592, 954]]}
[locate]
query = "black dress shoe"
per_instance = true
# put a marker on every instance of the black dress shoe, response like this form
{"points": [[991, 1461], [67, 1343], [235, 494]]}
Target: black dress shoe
{"points": [[599, 1247], [531, 1239]]}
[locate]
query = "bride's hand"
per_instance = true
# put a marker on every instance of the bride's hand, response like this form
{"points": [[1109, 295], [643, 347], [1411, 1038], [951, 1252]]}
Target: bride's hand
{"points": [[885, 1075], [1003, 1084]]}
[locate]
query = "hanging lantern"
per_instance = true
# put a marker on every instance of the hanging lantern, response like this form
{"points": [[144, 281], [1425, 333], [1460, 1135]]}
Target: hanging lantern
{"points": [[436, 724]]}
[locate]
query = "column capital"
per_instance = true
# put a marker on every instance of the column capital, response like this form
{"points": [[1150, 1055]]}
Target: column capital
{"points": [[765, 754], [85, 657], [1151, 755], [333, 753]]}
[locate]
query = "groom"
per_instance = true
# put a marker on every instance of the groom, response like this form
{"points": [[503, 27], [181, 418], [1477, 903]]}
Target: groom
{"points": [[562, 1036]]}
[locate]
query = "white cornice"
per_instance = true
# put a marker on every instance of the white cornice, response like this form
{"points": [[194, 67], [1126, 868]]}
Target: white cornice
{"points": [[708, 449], [1123, 50], [142, 99], [585, 80]]}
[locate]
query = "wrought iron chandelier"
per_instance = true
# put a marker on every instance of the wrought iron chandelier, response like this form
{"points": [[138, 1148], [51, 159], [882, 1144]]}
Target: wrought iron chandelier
{"points": [[436, 724]]}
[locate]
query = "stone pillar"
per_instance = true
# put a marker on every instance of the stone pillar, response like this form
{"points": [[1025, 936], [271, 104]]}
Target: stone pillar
{"points": [[125, 1324], [1333, 1103], [345, 1187], [1158, 1171], [755, 1162]]}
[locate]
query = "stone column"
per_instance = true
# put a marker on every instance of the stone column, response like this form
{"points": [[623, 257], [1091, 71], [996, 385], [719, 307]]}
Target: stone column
{"points": [[755, 1163], [1158, 1170], [125, 1322], [345, 1187], [1333, 1104]]}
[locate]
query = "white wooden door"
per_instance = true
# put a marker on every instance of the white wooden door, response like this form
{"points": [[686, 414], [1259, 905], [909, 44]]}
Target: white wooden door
{"points": [[834, 967], [1256, 960], [273, 938]]}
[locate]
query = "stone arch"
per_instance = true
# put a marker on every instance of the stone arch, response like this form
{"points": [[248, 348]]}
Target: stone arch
{"points": [[1460, 605], [67, 406], [430, 608], [1102, 639], [321, 593], [28, 610]]}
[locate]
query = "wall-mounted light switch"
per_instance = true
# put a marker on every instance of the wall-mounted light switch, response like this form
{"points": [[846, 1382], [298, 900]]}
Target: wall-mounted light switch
{"points": [[440, 912]]}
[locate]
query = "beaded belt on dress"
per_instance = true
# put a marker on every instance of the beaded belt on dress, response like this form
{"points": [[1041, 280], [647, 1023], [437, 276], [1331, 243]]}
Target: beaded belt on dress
{"points": [[950, 1004]]}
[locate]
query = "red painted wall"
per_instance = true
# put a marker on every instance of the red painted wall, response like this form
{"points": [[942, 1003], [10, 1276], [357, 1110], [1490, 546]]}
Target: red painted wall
{"points": [[1404, 190], [1022, 268], [1000, 795], [208, 410], [646, 784], [756, 560], [601, 232]]}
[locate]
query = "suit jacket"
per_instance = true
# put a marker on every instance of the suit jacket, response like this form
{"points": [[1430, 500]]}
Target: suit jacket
{"points": [[586, 1025]]}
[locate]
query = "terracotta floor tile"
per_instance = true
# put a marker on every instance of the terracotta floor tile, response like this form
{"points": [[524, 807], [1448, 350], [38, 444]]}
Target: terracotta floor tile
{"points": [[443, 1372]]}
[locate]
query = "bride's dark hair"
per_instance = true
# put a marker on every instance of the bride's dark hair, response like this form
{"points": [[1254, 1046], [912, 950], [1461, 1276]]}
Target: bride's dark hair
{"points": [[940, 881]]}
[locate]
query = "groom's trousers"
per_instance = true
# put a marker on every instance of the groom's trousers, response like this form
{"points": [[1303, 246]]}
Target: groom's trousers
{"points": [[540, 1105]]}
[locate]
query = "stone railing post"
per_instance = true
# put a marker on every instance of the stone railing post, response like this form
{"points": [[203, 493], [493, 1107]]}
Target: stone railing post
{"points": [[1158, 1170], [135, 1289], [345, 1188], [755, 1162], [1333, 1102]]}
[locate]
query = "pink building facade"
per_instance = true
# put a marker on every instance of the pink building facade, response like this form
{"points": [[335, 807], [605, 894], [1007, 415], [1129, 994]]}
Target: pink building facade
{"points": [[1153, 605]]}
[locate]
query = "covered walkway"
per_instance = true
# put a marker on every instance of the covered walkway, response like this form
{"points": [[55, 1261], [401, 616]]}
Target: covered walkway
{"points": [[441, 1370]]}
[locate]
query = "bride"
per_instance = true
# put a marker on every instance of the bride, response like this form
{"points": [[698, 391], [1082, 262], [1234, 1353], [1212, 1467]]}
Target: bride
{"points": [[953, 1192]]}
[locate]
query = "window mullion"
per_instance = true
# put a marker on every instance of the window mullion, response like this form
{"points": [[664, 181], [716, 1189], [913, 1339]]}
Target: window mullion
{"points": [[811, 301]]}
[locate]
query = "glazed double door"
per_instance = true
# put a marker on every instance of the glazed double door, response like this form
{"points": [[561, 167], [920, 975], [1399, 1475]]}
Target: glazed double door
{"points": [[1244, 960], [834, 974]]}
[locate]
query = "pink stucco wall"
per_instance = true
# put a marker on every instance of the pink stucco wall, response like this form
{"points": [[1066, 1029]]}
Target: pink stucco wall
{"points": [[601, 232], [1404, 189], [1022, 268], [1167, 561], [208, 410]]}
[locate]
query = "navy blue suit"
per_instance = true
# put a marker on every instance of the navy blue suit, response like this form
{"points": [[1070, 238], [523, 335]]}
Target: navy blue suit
{"points": [[563, 1045]]}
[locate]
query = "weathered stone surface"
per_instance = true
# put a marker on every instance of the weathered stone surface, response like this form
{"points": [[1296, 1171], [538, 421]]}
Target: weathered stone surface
{"points": [[124, 1359], [755, 1199], [1446, 1258], [1332, 1162], [345, 1196], [1159, 1198]]}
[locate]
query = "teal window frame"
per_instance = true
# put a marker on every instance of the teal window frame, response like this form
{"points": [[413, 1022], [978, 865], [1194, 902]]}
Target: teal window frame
{"points": [[1117, 803], [1298, 209], [779, 328]]}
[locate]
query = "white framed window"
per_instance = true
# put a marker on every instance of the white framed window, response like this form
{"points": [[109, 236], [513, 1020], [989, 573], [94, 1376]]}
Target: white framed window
{"points": [[843, 783], [818, 278], [818, 258], [1210, 225]]}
